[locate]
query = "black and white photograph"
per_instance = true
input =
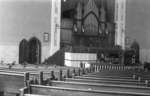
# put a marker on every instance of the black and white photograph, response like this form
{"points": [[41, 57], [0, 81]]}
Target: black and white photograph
{"points": [[74, 48]]}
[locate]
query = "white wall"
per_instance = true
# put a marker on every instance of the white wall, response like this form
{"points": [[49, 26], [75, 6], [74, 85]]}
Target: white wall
{"points": [[9, 53], [145, 55], [138, 25], [23, 19]]}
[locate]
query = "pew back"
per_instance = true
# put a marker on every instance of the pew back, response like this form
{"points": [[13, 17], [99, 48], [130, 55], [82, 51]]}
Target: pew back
{"points": [[10, 83], [62, 91]]}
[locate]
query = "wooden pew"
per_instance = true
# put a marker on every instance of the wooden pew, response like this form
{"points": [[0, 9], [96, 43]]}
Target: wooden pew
{"points": [[39, 75], [106, 82], [88, 79], [10, 83], [97, 86], [62, 91], [53, 74], [121, 74], [144, 75], [44, 77], [113, 74], [98, 66], [58, 74], [34, 95], [109, 76], [66, 72], [106, 79]]}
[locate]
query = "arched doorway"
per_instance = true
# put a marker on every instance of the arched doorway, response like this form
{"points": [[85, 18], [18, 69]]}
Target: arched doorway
{"points": [[34, 56], [23, 51]]}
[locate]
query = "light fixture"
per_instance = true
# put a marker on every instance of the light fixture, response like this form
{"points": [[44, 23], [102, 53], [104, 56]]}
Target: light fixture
{"points": [[100, 31], [83, 29], [65, 0], [75, 28]]}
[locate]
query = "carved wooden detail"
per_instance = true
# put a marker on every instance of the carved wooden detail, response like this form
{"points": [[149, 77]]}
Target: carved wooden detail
{"points": [[90, 21]]}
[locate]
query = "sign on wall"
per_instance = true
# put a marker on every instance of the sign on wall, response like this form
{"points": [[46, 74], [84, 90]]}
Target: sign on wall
{"points": [[46, 37]]}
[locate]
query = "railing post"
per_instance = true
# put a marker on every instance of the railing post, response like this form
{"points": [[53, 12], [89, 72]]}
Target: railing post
{"points": [[41, 78], [74, 73], [95, 68], [101, 67], [68, 73], [79, 72], [26, 78], [86, 71], [83, 71], [60, 77], [52, 75], [90, 68]]}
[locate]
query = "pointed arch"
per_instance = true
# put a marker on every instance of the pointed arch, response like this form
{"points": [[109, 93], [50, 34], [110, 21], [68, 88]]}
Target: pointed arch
{"points": [[23, 51], [136, 47], [91, 23], [34, 56]]}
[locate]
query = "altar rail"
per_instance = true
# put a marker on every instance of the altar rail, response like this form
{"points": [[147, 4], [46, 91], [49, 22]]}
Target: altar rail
{"points": [[98, 67]]}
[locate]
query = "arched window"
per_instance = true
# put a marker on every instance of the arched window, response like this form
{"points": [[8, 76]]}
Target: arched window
{"points": [[34, 56], [23, 51], [136, 47]]}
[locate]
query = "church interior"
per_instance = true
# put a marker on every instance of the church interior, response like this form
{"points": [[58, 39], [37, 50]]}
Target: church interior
{"points": [[74, 48], [82, 26]]}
